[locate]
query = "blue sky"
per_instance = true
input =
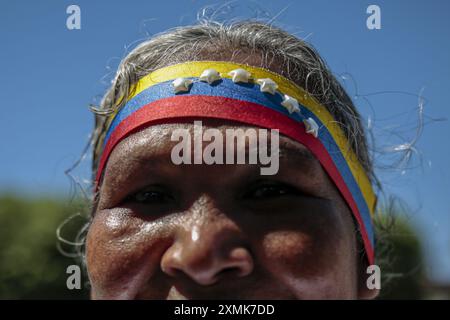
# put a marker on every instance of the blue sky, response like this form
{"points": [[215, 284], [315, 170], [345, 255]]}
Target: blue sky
{"points": [[49, 75]]}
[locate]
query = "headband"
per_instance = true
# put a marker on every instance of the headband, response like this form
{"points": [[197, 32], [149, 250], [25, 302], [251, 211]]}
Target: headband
{"points": [[250, 95]]}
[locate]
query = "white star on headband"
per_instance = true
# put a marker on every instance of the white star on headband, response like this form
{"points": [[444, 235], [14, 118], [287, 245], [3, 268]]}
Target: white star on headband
{"points": [[240, 75], [311, 127], [267, 85], [210, 76], [181, 84], [291, 104]]}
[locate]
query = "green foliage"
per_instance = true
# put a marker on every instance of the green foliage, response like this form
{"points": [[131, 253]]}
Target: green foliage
{"points": [[31, 267], [402, 265]]}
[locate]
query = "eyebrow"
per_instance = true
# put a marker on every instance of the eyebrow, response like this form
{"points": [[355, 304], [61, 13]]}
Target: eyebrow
{"points": [[290, 150]]}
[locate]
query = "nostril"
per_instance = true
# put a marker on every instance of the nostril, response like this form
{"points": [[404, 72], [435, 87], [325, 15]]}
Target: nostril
{"points": [[242, 260], [168, 270], [240, 266], [229, 272], [173, 272]]}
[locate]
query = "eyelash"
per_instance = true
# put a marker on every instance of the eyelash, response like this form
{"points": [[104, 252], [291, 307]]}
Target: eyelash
{"points": [[149, 196], [270, 190], [258, 191]]}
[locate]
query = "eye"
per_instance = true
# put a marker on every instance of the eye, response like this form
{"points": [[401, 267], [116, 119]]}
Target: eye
{"points": [[269, 190], [153, 195]]}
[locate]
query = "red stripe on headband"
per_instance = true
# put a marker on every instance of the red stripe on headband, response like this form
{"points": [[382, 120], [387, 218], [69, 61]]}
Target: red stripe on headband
{"points": [[236, 110]]}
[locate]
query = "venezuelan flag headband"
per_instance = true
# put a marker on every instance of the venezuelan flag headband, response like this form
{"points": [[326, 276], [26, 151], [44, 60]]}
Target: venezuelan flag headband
{"points": [[250, 95]]}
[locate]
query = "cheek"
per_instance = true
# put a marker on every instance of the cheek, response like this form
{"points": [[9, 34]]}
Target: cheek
{"points": [[312, 264], [286, 246], [297, 253], [121, 250]]}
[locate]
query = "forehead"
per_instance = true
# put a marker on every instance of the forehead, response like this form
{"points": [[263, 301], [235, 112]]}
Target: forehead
{"points": [[156, 143]]}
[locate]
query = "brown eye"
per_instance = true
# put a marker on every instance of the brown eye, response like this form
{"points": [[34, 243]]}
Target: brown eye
{"points": [[151, 196], [265, 191]]}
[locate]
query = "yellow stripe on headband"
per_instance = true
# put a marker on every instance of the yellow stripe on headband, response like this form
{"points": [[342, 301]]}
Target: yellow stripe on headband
{"points": [[195, 69]]}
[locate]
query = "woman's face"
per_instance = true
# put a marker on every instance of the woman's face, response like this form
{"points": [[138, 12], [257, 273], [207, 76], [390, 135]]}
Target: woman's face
{"points": [[166, 231]]}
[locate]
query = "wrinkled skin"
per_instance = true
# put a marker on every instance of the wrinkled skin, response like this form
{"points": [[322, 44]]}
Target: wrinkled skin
{"points": [[165, 231]]}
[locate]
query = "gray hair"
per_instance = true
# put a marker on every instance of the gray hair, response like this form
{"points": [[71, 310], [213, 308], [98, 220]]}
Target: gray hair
{"points": [[210, 40]]}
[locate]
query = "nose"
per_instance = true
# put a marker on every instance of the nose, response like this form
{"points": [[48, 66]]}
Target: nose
{"points": [[208, 250]]}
